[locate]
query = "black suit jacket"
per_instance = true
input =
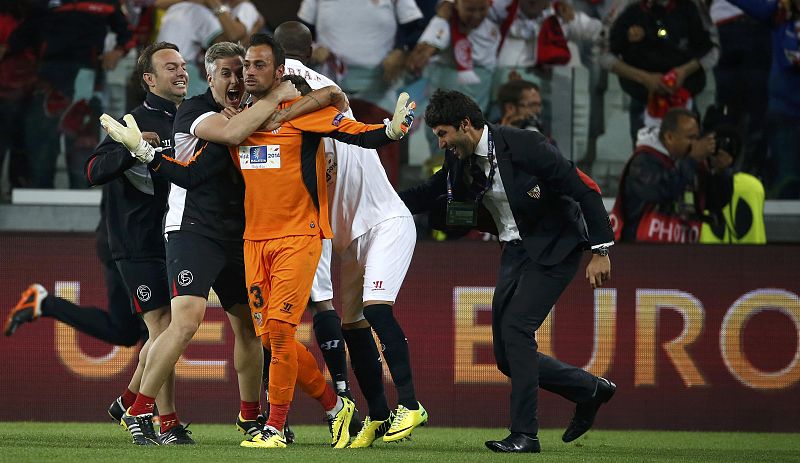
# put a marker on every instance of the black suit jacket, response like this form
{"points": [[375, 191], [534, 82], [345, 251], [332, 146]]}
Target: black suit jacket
{"points": [[556, 207]]}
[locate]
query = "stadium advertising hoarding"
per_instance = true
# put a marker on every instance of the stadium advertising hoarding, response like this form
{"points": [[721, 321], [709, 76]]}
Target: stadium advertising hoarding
{"points": [[695, 337]]}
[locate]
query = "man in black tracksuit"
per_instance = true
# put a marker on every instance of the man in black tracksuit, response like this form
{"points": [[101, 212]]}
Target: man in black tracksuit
{"points": [[135, 209]]}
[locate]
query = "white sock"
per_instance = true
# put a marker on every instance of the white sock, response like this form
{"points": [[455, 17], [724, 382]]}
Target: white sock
{"points": [[333, 411]]}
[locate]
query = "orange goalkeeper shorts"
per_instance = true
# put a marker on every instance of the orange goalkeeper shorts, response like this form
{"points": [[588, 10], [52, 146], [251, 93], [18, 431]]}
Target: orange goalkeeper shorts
{"points": [[279, 274]]}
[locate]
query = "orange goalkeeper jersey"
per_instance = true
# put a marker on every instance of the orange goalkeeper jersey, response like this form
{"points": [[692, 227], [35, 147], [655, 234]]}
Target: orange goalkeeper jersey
{"points": [[283, 170]]}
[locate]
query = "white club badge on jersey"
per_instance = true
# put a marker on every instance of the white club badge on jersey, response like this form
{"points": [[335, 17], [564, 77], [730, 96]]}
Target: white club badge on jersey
{"points": [[260, 157]]}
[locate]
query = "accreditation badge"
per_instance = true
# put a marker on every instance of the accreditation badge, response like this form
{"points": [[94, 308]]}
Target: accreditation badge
{"points": [[462, 214]]}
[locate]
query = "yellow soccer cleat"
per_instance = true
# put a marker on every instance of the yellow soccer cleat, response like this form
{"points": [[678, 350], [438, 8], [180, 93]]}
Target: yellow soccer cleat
{"points": [[370, 431], [404, 422], [250, 428], [269, 438], [339, 424]]}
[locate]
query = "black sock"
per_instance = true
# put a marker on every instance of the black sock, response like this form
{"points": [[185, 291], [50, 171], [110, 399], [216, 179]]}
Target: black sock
{"points": [[395, 351], [367, 367], [328, 331]]}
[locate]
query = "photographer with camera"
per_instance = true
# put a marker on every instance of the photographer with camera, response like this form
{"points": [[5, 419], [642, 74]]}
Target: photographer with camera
{"points": [[734, 206], [661, 196]]}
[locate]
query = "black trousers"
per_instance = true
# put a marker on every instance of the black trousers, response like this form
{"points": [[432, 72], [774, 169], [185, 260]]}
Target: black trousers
{"points": [[525, 294]]}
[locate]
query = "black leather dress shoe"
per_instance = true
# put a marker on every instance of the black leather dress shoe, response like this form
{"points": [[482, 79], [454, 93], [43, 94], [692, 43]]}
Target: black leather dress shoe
{"points": [[583, 419], [515, 443]]}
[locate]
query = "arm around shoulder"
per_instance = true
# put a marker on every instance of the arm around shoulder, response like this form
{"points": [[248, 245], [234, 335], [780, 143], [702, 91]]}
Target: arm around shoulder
{"points": [[217, 128]]}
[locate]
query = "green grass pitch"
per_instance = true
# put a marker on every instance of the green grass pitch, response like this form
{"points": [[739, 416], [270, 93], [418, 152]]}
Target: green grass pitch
{"points": [[86, 442]]}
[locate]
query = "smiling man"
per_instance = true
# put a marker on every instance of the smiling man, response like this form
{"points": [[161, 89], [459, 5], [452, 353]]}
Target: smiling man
{"points": [[135, 206], [546, 213]]}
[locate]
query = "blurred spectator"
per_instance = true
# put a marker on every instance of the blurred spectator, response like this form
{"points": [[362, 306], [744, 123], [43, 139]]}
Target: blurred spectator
{"points": [[521, 105], [428, 8], [665, 184], [783, 120], [661, 50], [535, 33], [194, 25], [466, 43], [365, 42], [535, 38], [277, 13], [17, 79], [741, 77], [71, 35]]}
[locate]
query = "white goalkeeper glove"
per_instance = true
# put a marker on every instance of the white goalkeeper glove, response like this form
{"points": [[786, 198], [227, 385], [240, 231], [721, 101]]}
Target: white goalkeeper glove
{"points": [[129, 135], [402, 119]]}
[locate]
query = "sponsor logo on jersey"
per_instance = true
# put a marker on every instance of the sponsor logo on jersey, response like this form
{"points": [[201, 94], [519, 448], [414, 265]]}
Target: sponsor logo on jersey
{"points": [[378, 285], [185, 278], [143, 293], [260, 157], [287, 307], [338, 119]]}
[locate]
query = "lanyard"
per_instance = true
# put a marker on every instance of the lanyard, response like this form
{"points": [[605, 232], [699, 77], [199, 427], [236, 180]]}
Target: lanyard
{"points": [[479, 197]]}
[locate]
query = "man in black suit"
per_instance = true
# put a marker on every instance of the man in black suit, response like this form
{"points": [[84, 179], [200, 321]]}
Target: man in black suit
{"points": [[547, 212]]}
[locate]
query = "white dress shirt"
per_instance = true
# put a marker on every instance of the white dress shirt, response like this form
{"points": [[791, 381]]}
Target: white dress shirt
{"points": [[495, 200]]}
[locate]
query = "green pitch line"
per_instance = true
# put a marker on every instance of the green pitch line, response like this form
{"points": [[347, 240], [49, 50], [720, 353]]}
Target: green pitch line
{"points": [[88, 442]]}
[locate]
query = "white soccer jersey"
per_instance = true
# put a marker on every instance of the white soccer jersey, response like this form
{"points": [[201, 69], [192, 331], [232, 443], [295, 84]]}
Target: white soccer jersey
{"points": [[314, 78], [190, 26], [484, 40], [519, 47], [247, 14], [193, 27], [359, 193], [360, 32]]}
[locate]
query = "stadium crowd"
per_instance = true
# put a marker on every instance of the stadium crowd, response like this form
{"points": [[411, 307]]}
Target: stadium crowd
{"points": [[55, 56]]}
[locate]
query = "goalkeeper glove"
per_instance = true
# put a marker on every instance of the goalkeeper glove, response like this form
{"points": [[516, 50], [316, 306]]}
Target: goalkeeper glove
{"points": [[129, 135], [402, 119]]}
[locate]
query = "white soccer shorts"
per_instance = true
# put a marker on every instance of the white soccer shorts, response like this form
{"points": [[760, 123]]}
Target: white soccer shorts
{"points": [[322, 288], [375, 265]]}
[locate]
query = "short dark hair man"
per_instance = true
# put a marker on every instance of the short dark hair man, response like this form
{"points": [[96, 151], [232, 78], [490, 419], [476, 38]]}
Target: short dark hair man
{"points": [[520, 104], [539, 202], [289, 184], [135, 205]]}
